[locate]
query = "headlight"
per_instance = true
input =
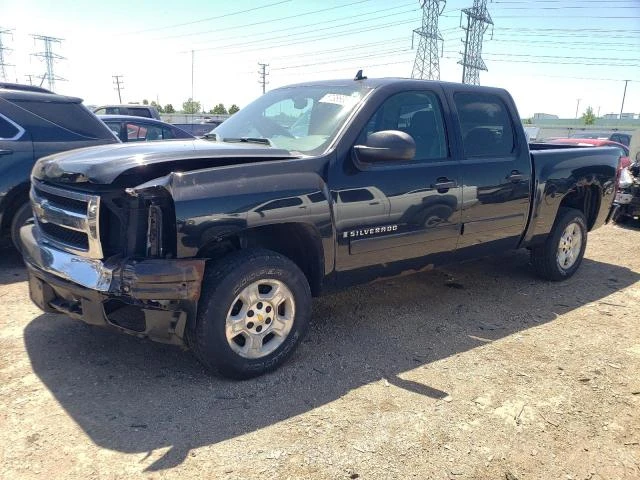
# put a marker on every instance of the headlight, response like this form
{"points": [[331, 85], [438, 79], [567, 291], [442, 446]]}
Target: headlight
{"points": [[154, 232]]}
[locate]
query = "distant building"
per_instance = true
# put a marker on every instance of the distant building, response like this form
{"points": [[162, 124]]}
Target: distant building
{"points": [[544, 116], [628, 116], [610, 116]]}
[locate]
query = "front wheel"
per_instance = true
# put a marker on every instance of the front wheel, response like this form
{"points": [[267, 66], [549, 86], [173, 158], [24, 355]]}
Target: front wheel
{"points": [[561, 254], [254, 309]]}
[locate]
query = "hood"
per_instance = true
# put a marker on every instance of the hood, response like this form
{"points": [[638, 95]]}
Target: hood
{"points": [[144, 161]]}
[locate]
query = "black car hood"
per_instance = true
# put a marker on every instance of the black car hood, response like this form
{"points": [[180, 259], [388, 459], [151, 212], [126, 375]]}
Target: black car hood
{"points": [[140, 162]]}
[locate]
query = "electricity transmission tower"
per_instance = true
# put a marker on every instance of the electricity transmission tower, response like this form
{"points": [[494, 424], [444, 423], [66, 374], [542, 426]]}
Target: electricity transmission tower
{"points": [[427, 62], [478, 21], [263, 75], [117, 81], [3, 64], [49, 58]]}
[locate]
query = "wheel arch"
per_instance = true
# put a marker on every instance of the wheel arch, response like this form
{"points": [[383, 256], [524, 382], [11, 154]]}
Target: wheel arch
{"points": [[299, 242], [585, 198]]}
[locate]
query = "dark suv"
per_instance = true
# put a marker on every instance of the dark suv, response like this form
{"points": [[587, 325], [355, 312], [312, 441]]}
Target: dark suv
{"points": [[35, 122]]}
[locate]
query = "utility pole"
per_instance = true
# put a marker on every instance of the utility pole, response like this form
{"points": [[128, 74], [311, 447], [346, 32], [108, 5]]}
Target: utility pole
{"points": [[119, 85], [427, 62], [3, 64], [478, 21], [30, 79], [192, 66], [623, 96], [49, 58], [577, 106], [263, 75]]}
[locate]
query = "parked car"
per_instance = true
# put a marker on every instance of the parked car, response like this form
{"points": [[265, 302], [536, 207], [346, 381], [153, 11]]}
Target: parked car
{"points": [[35, 122], [625, 161], [134, 110], [135, 129], [219, 245], [623, 138], [198, 130]]}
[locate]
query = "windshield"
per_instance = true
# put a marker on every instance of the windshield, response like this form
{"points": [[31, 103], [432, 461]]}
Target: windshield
{"points": [[302, 119]]}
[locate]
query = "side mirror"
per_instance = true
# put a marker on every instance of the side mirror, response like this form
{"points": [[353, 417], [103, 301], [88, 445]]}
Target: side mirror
{"points": [[386, 146]]}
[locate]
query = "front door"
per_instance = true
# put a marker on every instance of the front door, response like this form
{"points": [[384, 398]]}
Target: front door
{"points": [[398, 210]]}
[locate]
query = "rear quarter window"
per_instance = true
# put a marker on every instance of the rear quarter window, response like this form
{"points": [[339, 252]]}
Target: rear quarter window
{"points": [[73, 117], [8, 130]]}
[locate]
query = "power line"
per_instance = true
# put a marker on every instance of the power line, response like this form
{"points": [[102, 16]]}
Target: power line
{"points": [[263, 76], [348, 25], [208, 19], [378, 54], [3, 64], [478, 20], [427, 62], [117, 81], [246, 25], [49, 58]]}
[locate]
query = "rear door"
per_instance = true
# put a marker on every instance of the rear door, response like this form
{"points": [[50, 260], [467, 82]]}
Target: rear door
{"points": [[495, 171]]}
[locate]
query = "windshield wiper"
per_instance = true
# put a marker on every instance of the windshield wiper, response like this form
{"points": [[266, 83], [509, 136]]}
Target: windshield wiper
{"points": [[261, 141]]}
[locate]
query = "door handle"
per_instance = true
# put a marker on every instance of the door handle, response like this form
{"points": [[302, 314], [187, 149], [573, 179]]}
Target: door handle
{"points": [[515, 176], [374, 203], [6, 151], [443, 184]]}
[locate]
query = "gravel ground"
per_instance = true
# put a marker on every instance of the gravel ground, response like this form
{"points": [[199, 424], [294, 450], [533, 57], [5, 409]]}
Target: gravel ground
{"points": [[475, 371]]}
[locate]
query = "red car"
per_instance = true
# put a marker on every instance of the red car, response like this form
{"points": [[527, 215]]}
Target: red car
{"points": [[625, 161]]}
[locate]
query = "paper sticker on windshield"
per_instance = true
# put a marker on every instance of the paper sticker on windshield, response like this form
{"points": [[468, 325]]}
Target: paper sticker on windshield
{"points": [[338, 99]]}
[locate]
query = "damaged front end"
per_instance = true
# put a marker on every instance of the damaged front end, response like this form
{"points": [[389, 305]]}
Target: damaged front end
{"points": [[627, 201], [108, 258]]}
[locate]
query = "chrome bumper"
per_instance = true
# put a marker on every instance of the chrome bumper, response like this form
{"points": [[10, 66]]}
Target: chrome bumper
{"points": [[89, 273]]}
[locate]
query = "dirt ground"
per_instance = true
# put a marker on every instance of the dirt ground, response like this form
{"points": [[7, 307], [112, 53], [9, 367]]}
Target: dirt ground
{"points": [[476, 371]]}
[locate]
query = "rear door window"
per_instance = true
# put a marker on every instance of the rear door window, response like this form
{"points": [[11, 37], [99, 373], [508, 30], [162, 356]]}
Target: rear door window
{"points": [[485, 124]]}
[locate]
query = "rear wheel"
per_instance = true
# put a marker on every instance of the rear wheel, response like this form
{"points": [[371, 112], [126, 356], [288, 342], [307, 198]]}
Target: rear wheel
{"points": [[20, 218], [562, 253], [254, 309]]}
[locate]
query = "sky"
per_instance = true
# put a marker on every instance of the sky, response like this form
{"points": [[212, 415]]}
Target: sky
{"points": [[554, 56]]}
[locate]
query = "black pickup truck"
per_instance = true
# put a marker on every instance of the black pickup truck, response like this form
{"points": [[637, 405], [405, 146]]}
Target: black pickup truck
{"points": [[220, 244]]}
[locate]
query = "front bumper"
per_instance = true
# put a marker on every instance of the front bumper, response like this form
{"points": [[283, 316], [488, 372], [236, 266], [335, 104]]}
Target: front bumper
{"points": [[153, 298]]}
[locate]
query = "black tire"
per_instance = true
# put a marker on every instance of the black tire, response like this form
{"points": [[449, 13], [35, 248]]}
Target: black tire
{"points": [[544, 257], [223, 282], [21, 217], [621, 218]]}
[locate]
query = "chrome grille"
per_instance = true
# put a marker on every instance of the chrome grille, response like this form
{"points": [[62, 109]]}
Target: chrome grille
{"points": [[69, 220]]}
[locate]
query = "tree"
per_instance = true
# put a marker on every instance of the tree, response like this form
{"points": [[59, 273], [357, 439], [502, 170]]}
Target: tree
{"points": [[233, 109], [589, 117], [145, 102], [168, 108], [158, 107], [191, 106], [218, 110]]}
